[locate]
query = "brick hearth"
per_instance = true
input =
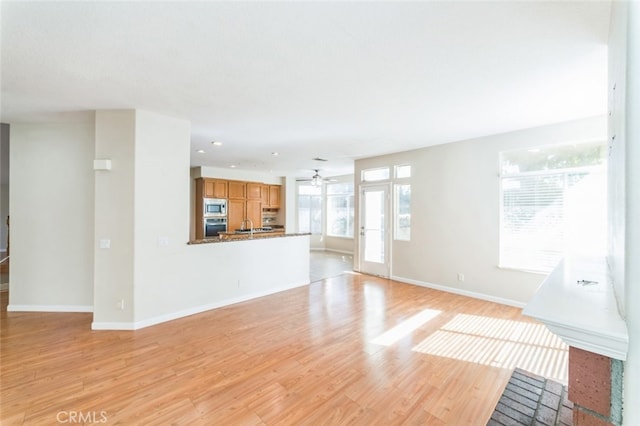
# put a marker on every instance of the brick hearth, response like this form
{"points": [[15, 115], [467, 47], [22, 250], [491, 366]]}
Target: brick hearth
{"points": [[529, 399]]}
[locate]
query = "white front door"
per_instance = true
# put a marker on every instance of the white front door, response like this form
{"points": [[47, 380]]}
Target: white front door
{"points": [[374, 230]]}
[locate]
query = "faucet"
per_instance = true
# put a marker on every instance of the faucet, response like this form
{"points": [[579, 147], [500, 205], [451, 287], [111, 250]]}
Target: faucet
{"points": [[246, 219]]}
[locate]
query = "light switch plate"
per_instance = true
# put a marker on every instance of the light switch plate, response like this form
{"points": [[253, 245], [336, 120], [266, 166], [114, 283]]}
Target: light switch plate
{"points": [[102, 164], [105, 244]]}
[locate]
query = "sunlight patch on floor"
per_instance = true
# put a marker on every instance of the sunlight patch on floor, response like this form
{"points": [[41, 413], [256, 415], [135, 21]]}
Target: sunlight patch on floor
{"points": [[406, 327], [500, 343]]}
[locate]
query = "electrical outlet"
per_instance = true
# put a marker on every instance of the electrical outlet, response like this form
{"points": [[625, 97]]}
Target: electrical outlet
{"points": [[460, 277], [120, 304]]}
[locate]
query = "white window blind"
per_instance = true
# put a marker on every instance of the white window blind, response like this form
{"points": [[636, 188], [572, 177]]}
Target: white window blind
{"points": [[340, 213], [310, 209], [549, 213]]}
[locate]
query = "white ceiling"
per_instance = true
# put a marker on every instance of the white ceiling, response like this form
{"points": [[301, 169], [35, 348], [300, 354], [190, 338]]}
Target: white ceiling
{"points": [[338, 80]]}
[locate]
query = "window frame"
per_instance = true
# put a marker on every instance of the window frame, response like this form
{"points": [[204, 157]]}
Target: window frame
{"points": [[311, 210], [350, 201], [565, 173], [396, 212], [363, 172]]}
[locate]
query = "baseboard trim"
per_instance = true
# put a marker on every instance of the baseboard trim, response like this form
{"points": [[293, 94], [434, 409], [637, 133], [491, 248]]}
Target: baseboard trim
{"points": [[49, 308], [461, 292], [349, 253], [127, 326], [191, 311]]}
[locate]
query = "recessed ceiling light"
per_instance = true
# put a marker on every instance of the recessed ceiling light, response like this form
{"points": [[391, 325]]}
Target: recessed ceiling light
{"points": [[275, 153], [216, 143], [200, 151], [233, 166]]}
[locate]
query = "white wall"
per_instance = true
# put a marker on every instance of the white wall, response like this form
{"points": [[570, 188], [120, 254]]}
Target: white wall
{"points": [[632, 257], [162, 206], [4, 184], [114, 216], [617, 141], [193, 278], [455, 211], [290, 203], [339, 244], [624, 181], [51, 207], [237, 174]]}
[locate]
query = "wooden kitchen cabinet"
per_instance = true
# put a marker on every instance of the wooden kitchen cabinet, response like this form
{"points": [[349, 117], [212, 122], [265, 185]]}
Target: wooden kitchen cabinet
{"points": [[238, 210], [270, 196], [214, 188], [274, 197], [254, 212], [235, 214], [237, 189], [254, 191], [264, 195]]}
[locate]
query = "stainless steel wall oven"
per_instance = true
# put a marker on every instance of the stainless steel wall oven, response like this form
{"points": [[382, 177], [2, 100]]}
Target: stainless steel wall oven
{"points": [[214, 225]]}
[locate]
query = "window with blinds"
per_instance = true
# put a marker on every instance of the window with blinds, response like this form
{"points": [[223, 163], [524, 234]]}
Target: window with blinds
{"points": [[340, 211], [553, 203], [309, 208]]}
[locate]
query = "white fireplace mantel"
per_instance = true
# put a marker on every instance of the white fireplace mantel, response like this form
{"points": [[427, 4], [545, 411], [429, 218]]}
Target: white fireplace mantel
{"points": [[584, 314]]}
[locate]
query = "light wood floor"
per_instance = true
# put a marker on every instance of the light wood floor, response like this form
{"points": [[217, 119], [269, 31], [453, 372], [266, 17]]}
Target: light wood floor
{"points": [[353, 349]]}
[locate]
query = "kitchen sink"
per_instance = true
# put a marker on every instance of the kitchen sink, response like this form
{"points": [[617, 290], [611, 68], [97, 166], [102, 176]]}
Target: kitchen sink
{"points": [[255, 230]]}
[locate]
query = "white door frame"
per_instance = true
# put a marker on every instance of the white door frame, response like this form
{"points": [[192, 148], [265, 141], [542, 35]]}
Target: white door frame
{"points": [[375, 268]]}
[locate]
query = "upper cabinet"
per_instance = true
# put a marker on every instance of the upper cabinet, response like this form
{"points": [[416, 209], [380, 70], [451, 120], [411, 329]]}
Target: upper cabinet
{"points": [[264, 195], [214, 188], [274, 197], [254, 191], [237, 189], [270, 196]]}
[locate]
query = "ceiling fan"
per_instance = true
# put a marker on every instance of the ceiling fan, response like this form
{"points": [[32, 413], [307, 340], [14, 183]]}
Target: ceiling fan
{"points": [[316, 179]]}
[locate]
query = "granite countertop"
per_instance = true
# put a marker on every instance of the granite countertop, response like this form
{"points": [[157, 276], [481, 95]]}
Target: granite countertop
{"points": [[244, 237]]}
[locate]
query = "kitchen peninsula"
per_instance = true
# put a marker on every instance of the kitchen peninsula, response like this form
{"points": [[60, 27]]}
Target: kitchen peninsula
{"points": [[243, 236], [213, 273]]}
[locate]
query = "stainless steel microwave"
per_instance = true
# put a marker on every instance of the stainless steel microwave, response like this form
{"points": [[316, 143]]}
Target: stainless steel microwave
{"points": [[215, 207]]}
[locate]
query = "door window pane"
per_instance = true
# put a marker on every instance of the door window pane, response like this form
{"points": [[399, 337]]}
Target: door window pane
{"points": [[374, 226]]}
